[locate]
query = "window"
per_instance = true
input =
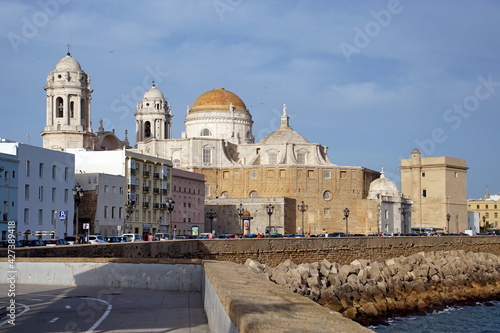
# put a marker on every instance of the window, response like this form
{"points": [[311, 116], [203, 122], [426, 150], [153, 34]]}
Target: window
{"points": [[254, 194], [40, 193], [327, 174], [106, 188], [120, 212], [343, 174], [40, 216], [53, 194], [424, 193], [282, 173], [205, 132], [207, 156], [60, 107], [27, 168], [326, 211], [253, 174], [496, 215], [40, 170], [225, 174], [7, 178], [66, 171], [54, 172], [301, 157], [105, 212], [477, 206], [66, 195], [327, 195], [113, 212], [486, 206], [423, 174], [273, 158], [310, 173], [26, 216], [487, 215], [113, 189], [386, 214], [26, 192]]}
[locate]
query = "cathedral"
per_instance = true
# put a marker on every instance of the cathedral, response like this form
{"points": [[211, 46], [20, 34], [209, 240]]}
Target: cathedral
{"points": [[309, 193]]}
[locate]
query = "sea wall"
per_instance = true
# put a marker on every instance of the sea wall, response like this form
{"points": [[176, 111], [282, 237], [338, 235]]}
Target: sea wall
{"points": [[368, 291]]}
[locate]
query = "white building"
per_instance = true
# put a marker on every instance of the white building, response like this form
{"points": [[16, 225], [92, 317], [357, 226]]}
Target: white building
{"points": [[103, 202], [45, 179], [8, 192]]}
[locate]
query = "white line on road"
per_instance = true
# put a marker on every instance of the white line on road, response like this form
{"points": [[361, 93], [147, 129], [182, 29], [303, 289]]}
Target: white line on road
{"points": [[108, 310], [26, 309], [54, 320]]}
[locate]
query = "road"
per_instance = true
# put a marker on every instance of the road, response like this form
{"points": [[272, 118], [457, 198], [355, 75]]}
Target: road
{"points": [[89, 309]]}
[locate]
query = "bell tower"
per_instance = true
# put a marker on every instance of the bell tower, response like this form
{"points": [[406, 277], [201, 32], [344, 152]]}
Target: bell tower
{"points": [[153, 120], [68, 94]]}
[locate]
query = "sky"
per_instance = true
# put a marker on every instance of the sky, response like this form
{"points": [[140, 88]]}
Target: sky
{"points": [[371, 80]]}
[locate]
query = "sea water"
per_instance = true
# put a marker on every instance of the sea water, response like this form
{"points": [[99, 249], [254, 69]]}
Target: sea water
{"points": [[460, 319]]}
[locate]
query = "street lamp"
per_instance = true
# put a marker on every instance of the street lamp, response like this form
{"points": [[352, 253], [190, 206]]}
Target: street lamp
{"points": [[77, 196], [240, 210], [170, 207], [448, 217], [211, 215], [346, 215], [302, 208], [270, 210]]}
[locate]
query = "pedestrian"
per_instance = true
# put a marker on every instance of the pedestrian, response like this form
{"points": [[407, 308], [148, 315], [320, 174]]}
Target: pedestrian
{"points": [[150, 237]]}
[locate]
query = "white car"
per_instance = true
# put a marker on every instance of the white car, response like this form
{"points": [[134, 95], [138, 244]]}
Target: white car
{"points": [[133, 237], [96, 239]]}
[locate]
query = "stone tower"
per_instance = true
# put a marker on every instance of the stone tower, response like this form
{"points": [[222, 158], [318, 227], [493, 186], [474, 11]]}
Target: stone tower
{"points": [[153, 120], [68, 94]]}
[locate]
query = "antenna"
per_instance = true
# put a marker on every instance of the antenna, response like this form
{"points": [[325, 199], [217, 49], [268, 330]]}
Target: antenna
{"points": [[69, 46]]}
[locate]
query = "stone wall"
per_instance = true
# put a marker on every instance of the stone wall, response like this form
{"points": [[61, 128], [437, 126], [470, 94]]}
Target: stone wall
{"points": [[273, 251], [367, 291]]}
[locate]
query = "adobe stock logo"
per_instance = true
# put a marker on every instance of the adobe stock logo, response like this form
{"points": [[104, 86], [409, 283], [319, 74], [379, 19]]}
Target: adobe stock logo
{"points": [[363, 37], [30, 27]]}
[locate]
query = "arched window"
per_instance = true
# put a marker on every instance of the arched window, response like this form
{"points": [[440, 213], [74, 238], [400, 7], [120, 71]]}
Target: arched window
{"points": [[206, 132], [72, 109], [327, 195], [59, 107], [147, 129], [254, 194], [224, 195]]}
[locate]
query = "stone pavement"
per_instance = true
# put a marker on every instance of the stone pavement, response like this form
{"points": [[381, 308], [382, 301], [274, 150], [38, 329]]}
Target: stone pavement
{"points": [[41, 308]]}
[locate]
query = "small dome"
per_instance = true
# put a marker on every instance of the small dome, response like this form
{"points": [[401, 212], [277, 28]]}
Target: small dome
{"points": [[218, 98], [68, 63], [153, 93], [382, 186], [281, 136]]}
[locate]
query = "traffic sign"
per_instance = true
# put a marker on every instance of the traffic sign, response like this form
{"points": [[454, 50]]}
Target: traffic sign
{"points": [[62, 215]]}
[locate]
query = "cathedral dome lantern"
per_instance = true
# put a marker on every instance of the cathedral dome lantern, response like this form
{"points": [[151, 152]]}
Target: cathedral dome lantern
{"points": [[221, 114], [68, 63]]}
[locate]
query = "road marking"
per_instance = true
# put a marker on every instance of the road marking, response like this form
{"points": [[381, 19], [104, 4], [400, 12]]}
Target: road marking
{"points": [[106, 313], [68, 306], [26, 309], [54, 320]]}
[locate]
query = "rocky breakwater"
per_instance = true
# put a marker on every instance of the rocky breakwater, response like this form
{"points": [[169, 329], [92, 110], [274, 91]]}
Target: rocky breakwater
{"points": [[369, 291]]}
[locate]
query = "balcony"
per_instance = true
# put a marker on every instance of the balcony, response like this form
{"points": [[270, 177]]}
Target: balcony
{"points": [[132, 172], [156, 205], [131, 187], [145, 174], [156, 175], [163, 206], [164, 191], [165, 177], [156, 190], [145, 189], [145, 205]]}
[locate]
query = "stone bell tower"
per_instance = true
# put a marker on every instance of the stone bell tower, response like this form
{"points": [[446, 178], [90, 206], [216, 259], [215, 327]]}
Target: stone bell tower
{"points": [[68, 94]]}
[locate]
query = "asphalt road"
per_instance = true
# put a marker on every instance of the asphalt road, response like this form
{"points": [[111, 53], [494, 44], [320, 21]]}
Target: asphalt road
{"points": [[90, 309]]}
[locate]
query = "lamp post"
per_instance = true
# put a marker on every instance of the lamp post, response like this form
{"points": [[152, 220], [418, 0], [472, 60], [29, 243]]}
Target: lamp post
{"points": [[270, 210], [302, 208], [77, 196], [448, 217], [346, 215], [211, 215], [240, 210], [170, 207]]}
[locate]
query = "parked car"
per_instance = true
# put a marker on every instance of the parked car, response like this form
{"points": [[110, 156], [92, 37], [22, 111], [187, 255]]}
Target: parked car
{"points": [[96, 239], [70, 239], [32, 242], [5, 244], [54, 242], [205, 235], [133, 237], [337, 234], [161, 236], [115, 239]]}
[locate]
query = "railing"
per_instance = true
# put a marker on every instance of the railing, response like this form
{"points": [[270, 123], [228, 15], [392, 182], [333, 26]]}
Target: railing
{"points": [[145, 189], [156, 175], [145, 174], [145, 205], [156, 205], [131, 187], [156, 190]]}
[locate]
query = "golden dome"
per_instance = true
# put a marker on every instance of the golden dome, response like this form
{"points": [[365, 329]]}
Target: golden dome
{"points": [[218, 98]]}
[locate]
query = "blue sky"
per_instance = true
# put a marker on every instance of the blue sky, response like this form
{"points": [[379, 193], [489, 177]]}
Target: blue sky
{"points": [[371, 80]]}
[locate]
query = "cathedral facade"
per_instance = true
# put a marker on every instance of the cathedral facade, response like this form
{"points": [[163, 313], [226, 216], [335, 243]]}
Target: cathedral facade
{"points": [[218, 142]]}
